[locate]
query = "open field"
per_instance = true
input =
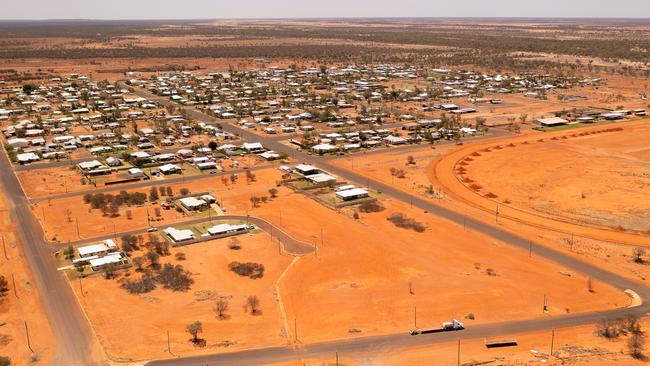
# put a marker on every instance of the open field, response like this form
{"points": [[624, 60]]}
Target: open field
{"points": [[148, 317], [556, 177], [443, 261], [446, 174]]}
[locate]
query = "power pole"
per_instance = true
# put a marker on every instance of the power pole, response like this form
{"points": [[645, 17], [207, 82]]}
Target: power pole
{"points": [[530, 249], [4, 248], [81, 287], [13, 280], [295, 330], [496, 214], [169, 347], [545, 304], [415, 317], [29, 343], [77, 221], [458, 356], [337, 359], [552, 339]]}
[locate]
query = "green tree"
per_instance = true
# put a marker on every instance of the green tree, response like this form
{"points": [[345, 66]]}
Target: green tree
{"points": [[68, 252], [194, 329], [153, 194]]}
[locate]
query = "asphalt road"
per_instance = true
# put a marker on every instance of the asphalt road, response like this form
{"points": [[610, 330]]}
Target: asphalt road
{"points": [[74, 338], [278, 354], [76, 342]]}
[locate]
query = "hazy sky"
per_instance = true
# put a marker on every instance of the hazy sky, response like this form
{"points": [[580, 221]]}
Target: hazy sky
{"points": [[203, 9]]}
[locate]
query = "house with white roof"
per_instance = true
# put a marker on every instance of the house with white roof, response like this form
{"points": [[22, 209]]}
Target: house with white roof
{"points": [[179, 235], [192, 203], [98, 249]]}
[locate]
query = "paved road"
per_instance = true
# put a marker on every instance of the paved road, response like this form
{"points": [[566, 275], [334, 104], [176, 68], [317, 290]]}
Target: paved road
{"points": [[256, 357], [290, 244], [74, 337]]}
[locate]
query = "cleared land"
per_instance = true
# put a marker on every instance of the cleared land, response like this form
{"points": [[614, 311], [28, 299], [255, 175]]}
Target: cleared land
{"points": [[557, 177]]}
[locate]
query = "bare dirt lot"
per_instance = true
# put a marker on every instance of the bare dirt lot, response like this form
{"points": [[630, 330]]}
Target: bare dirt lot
{"points": [[147, 318], [556, 176], [353, 280]]}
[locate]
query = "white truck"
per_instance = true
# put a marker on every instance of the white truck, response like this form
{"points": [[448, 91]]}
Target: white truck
{"points": [[453, 325], [444, 327]]}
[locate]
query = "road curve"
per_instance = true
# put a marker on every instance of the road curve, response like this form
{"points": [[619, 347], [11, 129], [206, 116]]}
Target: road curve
{"points": [[256, 357], [289, 244]]}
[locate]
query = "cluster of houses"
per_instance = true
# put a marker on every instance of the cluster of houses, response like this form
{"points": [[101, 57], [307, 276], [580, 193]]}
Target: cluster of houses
{"points": [[320, 178], [323, 108], [590, 116], [100, 255], [182, 236]]}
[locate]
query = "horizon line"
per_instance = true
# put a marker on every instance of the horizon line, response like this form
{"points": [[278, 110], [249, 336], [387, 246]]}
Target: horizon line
{"points": [[333, 18]]}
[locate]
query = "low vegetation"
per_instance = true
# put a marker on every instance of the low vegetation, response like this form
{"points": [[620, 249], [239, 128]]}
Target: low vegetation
{"points": [[371, 206], [251, 270], [4, 288], [110, 204], [404, 222]]}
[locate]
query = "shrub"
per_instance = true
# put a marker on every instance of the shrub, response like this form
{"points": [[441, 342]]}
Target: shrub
{"points": [[404, 222], [144, 284], [174, 278], [251, 270], [371, 206]]}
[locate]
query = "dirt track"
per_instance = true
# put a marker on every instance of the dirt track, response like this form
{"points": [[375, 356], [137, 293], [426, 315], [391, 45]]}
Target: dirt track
{"points": [[446, 174]]}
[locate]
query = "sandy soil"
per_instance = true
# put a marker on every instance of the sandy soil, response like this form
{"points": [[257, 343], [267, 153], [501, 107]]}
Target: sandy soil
{"points": [[448, 174], [150, 316], [14, 311], [442, 261], [572, 346], [606, 249], [48, 181], [59, 217], [556, 177]]}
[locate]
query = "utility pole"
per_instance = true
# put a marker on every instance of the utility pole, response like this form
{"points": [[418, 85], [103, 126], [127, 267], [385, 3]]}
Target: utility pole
{"points": [[415, 317], [4, 248], [496, 214], [169, 347], [458, 356], [13, 280], [77, 220], [545, 304], [337, 359], [530, 249], [552, 340], [295, 330], [29, 343]]}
